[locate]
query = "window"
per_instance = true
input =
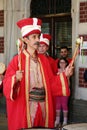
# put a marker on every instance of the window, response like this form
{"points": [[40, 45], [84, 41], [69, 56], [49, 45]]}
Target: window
{"points": [[43, 7], [56, 17], [63, 34]]}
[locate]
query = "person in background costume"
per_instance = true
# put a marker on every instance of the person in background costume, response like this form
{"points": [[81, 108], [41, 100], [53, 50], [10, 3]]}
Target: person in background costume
{"points": [[62, 101], [64, 53], [29, 82], [43, 49]]}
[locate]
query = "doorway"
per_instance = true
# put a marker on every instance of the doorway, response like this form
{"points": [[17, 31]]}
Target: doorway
{"points": [[56, 19], [60, 28]]}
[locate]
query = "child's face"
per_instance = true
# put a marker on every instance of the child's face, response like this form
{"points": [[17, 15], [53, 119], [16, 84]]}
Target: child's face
{"points": [[62, 64]]}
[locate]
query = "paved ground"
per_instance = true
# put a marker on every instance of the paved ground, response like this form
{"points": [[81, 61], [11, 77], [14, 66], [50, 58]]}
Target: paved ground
{"points": [[3, 118], [3, 122]]}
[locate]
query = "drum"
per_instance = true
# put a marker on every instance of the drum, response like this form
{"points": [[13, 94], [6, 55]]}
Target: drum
{"points": [[39, 129], [77, 126]]}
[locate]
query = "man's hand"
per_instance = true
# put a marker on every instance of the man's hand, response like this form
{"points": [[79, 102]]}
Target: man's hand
{"points": [[19, 75], [1, 77], [69, 70]]}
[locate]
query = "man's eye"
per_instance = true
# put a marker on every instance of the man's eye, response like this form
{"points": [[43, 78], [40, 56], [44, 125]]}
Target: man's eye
{"points": [[39, 36], [34, 37]]}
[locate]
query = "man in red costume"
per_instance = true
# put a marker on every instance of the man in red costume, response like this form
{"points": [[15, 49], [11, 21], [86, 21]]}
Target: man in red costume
{"points": [[29, 82], [43, 49]]}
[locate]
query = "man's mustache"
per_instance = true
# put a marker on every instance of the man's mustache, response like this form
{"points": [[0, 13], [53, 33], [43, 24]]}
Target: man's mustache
{"points": [[37, 43]]}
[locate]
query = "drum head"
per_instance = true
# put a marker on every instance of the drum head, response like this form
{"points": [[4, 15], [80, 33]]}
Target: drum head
{"points": [[38, 129], [78, 126], [2, 68]]}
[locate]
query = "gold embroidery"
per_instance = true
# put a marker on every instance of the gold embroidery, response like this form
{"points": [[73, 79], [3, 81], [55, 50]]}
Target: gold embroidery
{"points": [[63, 84]]}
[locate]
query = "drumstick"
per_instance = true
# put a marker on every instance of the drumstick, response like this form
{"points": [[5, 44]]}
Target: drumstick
{"points": [[78, 42], [19, 44]]}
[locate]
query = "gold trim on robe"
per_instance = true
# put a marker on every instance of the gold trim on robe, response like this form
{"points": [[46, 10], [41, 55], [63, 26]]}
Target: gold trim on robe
{"points": [[12, 84], [27, 64], [63, 84], [46, 121]]}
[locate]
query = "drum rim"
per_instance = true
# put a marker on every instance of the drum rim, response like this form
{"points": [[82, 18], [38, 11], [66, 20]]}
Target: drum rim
{"points": [[72, 124], [42, 128]]}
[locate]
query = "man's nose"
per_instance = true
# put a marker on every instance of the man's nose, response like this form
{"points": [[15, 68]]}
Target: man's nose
{"points": [[38, 39]]}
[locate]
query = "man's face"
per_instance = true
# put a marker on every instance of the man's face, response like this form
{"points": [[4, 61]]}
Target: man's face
{"points": [[42, 49], [33, 41], [64, 53]]}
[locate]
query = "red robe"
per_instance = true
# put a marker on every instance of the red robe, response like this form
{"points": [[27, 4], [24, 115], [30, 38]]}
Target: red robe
{"points": [[17, 104], [53, 64]]}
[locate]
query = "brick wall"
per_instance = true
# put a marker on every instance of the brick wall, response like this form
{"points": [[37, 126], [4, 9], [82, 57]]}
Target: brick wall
{"points": [[84, 37], [83, 12], [1, 25], [1, 44], [82, 82], [83, 18], [1, 18]]}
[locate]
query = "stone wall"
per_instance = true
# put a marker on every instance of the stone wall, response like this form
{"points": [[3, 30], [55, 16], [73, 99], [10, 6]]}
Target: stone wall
{"points": [[78, 111]]}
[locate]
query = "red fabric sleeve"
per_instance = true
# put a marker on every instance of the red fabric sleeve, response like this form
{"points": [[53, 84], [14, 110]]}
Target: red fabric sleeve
{"points": [[57, 84], [60, 86], [10, 73], [15, 90], [53, 64]]}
